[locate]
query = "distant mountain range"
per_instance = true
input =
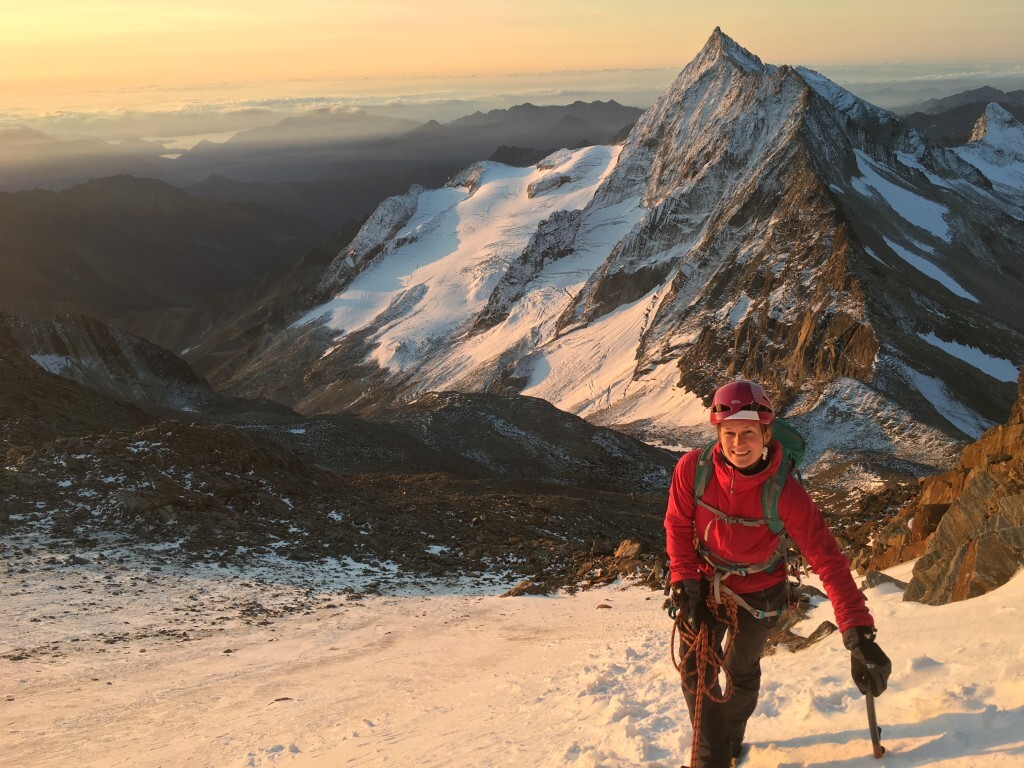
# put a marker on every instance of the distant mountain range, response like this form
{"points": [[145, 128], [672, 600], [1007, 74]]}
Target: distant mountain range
{"points": [[329, 165], [311, 167], [327, 144], [31, 159], [123, 243]]}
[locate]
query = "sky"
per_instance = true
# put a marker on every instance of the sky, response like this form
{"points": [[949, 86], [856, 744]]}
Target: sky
{"points": [[112, 54]]}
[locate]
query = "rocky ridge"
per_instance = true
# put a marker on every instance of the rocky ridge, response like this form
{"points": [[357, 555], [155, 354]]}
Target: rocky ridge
{"points": [[105, 358]]}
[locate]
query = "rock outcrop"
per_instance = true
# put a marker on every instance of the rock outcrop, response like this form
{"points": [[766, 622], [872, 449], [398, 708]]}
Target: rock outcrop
{"points": [[967, 524]]}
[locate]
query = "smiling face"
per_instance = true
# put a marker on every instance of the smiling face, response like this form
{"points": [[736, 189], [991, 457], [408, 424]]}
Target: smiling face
{"points": [[743, 441]]}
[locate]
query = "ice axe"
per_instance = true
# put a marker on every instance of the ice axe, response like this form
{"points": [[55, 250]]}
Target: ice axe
{"points": [[876, 732]]}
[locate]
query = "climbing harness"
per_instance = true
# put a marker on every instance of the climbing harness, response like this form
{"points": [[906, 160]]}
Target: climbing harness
{"points": [[785, 554]]}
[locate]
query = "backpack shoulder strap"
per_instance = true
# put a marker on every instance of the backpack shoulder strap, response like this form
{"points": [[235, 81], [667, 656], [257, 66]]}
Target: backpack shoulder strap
{"points": [[793, 449], [702, 474], [770, 493]]}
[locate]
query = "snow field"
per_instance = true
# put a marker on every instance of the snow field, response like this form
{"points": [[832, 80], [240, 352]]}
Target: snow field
{"points": [[465, 679]]}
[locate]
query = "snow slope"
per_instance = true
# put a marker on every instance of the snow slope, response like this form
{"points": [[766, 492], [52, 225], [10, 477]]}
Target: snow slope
{"points": [[200, 669], [441, 267]]}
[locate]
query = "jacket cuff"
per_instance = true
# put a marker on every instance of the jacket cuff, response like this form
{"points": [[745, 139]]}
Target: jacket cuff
{"points": [[854, 636]]}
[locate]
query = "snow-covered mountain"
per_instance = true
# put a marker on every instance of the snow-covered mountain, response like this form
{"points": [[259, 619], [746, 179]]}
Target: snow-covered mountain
{"points": [[996, 149], [758, 220]]}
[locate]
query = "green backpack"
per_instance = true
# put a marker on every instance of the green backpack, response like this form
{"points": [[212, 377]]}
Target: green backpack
{"points": [[793, 449]]}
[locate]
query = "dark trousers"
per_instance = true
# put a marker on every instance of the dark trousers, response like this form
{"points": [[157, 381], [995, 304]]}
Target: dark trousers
{"points": [[723, 725]]}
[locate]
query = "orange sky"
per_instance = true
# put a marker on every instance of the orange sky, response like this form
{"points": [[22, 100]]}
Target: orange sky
{"points": [[55, 52]]}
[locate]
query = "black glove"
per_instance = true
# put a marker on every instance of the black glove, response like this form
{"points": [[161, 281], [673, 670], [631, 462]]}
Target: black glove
{"points": [[678, 598], [688, 597], [868, 663]]}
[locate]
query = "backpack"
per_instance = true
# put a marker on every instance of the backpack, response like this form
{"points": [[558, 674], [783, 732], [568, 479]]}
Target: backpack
{"points": [[793, 449]]}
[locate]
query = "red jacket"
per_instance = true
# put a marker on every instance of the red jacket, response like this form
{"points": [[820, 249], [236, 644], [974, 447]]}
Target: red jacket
{"points": [[739, 495]]}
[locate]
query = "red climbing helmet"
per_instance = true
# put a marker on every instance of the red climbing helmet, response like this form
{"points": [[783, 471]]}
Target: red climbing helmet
{"points": [[741, 400]]}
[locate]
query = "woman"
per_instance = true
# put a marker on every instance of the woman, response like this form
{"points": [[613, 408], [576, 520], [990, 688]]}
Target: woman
{"points": [[706, 549]]}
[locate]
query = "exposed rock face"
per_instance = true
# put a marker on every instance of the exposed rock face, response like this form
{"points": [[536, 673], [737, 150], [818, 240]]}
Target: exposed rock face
{"points": [[108, 359], [967, 524], [36, 406]]}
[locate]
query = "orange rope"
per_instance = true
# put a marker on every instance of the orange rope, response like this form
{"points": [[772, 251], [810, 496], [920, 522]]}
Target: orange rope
{"points": [[709, 662]]}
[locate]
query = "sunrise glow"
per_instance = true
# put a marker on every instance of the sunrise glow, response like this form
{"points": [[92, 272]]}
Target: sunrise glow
{"points": [[70, 53]]}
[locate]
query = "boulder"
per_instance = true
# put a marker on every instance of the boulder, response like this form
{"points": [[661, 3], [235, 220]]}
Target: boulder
{"points": [[877, 578], [970, 520], [629, 549]]}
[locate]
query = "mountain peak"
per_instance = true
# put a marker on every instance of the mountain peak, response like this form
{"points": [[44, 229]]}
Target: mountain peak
{"points": [[720, 46], [995, 119]]}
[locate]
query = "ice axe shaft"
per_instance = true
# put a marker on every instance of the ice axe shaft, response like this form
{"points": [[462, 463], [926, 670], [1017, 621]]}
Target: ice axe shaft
{"points": [[876, 732]]}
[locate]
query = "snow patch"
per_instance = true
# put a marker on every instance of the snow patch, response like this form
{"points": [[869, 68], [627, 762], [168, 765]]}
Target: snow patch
{"points": [[952, 410], [739, 311], [912, 162], [444, 263], [997, 368], [55, 364], [928, 269], [909, 205]]}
